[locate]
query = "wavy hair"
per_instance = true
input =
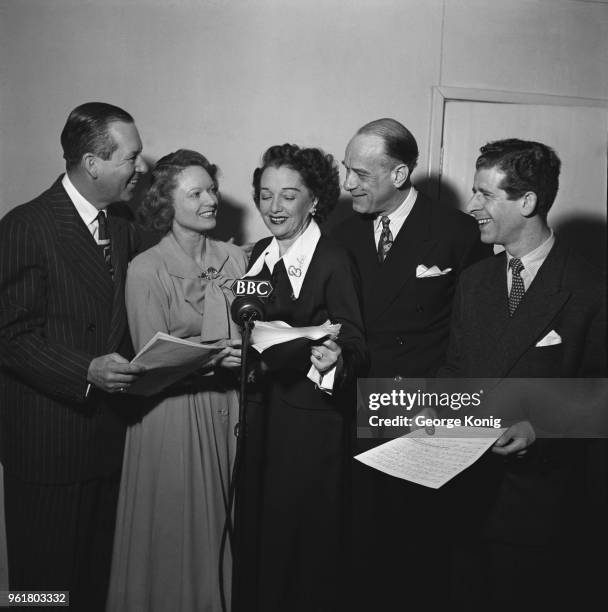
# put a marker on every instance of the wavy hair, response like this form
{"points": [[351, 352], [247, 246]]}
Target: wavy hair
{"points": [[528, 166], [318, 170], [156, 210]]}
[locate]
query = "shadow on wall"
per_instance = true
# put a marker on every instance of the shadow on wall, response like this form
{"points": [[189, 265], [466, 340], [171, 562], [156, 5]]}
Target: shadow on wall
{"points": [[442, 191], [230, 222], [342, 211], [586, 236]]}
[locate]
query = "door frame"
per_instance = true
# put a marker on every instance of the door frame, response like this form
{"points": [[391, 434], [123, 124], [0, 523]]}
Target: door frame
{"points": [[442, 95]]}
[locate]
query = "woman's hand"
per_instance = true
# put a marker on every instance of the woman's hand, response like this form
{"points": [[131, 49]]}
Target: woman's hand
{"points": [[326, 356], [230, 357]]}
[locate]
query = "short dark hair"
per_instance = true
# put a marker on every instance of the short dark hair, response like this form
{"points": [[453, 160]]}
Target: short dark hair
{"points": [[156, 209], [86, 131], [528, 166], [399, 142], [318, 170]]}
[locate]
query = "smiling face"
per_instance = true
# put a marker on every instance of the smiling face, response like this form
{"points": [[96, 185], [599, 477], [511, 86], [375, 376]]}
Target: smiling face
{"points": [[370, 176], [285, 203], [501, 220], [117, 176], [195, 201]]}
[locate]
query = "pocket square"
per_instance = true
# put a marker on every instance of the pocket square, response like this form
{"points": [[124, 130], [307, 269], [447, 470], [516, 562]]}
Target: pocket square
{"points": [[423, 272], [550, 339]]}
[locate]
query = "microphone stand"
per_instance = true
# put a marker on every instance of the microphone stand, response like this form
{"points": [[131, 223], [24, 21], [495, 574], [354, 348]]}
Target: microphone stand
{"points": [[240, 430]]}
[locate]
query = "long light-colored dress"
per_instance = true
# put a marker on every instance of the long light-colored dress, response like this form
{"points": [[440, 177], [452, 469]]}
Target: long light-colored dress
{"points": [[178, 458]]}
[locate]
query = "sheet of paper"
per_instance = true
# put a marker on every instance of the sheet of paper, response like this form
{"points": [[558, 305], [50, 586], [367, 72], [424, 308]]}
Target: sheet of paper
{"points": [[168, 359], [268, 333], [431, 461]]}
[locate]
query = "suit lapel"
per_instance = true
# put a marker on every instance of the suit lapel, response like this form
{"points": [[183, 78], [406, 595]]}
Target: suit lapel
{"points": [[508, 338], [78, 246], [490, 315], [409, 249], [120, 250]]}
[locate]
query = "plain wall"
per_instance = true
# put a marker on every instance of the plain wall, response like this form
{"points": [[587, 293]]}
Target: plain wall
{"points": [[230, 78]]}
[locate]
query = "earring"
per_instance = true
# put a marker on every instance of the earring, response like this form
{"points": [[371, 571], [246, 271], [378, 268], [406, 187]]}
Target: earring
{"points": [[313, 211]]}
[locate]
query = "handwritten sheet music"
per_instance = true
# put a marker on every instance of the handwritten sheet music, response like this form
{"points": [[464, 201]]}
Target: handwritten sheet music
{"points": [[433, 460]]}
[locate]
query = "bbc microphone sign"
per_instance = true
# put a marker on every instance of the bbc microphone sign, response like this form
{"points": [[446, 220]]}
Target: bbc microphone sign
{"points": [[249, 287]]}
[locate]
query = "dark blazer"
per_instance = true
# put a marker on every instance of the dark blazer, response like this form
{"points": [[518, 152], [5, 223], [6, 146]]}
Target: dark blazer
{"points": [[531, 498], [330, 291], [296, 486], [567, 295], [59, 308], [407, 318]]}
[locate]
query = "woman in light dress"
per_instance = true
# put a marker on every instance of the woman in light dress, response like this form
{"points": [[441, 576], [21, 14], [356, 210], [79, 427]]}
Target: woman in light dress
{"points": [[178, 457]]}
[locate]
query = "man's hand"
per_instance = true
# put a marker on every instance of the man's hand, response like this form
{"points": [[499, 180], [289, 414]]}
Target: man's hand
{"points": [[325, 356], [425, 413], [113, 373], [516, 439], [230, 357]]}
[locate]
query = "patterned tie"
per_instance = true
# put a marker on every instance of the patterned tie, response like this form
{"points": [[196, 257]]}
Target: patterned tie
{"points": [[103, 240], [386, 240], [517, 285]]}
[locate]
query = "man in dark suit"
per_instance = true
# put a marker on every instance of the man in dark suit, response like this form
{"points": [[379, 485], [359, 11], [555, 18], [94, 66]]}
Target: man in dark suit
{"points": [[409, 252], [536, 310], [406, 310], [63, 353]]}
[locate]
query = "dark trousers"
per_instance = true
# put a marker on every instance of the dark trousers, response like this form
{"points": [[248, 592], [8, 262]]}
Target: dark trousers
{"points": [[60, 537]]}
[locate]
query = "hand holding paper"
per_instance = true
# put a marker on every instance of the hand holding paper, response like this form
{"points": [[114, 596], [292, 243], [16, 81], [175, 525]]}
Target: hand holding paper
{"points": [[431, 460], [168, 359]]}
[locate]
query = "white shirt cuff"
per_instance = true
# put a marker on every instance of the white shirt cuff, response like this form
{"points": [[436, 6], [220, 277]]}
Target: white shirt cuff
{"points": [[325, 382]]}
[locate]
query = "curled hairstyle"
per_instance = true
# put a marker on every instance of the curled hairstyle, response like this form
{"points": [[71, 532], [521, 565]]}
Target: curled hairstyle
{"points": [[528, 166], [399, 143], [317, 169], [86, 131], [156, 210]]}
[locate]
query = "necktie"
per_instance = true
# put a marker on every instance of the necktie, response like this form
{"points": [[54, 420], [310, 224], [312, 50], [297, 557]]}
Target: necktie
{"points": [[103, 240], [386, 240], [517, 285]]}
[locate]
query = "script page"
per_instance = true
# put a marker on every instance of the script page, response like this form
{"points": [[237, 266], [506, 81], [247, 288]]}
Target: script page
{"points": [[431, 460], [167, 360]]}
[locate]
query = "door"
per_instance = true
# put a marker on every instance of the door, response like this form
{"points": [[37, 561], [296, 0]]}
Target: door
{"points": [[578, 134]]}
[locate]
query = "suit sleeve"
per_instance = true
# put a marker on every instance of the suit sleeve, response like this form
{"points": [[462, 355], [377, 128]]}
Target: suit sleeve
{"points": [[343, 303], [452, 367], [53, 368], [593, 363]]}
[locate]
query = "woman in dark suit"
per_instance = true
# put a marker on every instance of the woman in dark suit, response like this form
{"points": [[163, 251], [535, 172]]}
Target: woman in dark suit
{"points": [[299, 429]]}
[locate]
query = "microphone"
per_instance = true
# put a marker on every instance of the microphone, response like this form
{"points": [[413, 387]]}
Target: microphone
{"points": [[247, 308], [248, 304]]}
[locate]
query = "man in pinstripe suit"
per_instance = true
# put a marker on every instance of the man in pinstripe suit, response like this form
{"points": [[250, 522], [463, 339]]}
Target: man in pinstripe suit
{"points": [[64, 345]]}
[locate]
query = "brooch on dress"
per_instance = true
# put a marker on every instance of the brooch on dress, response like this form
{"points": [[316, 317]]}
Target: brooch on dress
{"points": [[210, 274]]}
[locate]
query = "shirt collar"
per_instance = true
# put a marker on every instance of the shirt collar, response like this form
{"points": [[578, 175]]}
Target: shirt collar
{"points": [[398, 216], [533, 260], [88, 213], [296, 259]]}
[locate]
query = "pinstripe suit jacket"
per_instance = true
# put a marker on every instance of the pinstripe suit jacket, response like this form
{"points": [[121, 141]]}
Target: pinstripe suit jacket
{"points": [[58, 310]]}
